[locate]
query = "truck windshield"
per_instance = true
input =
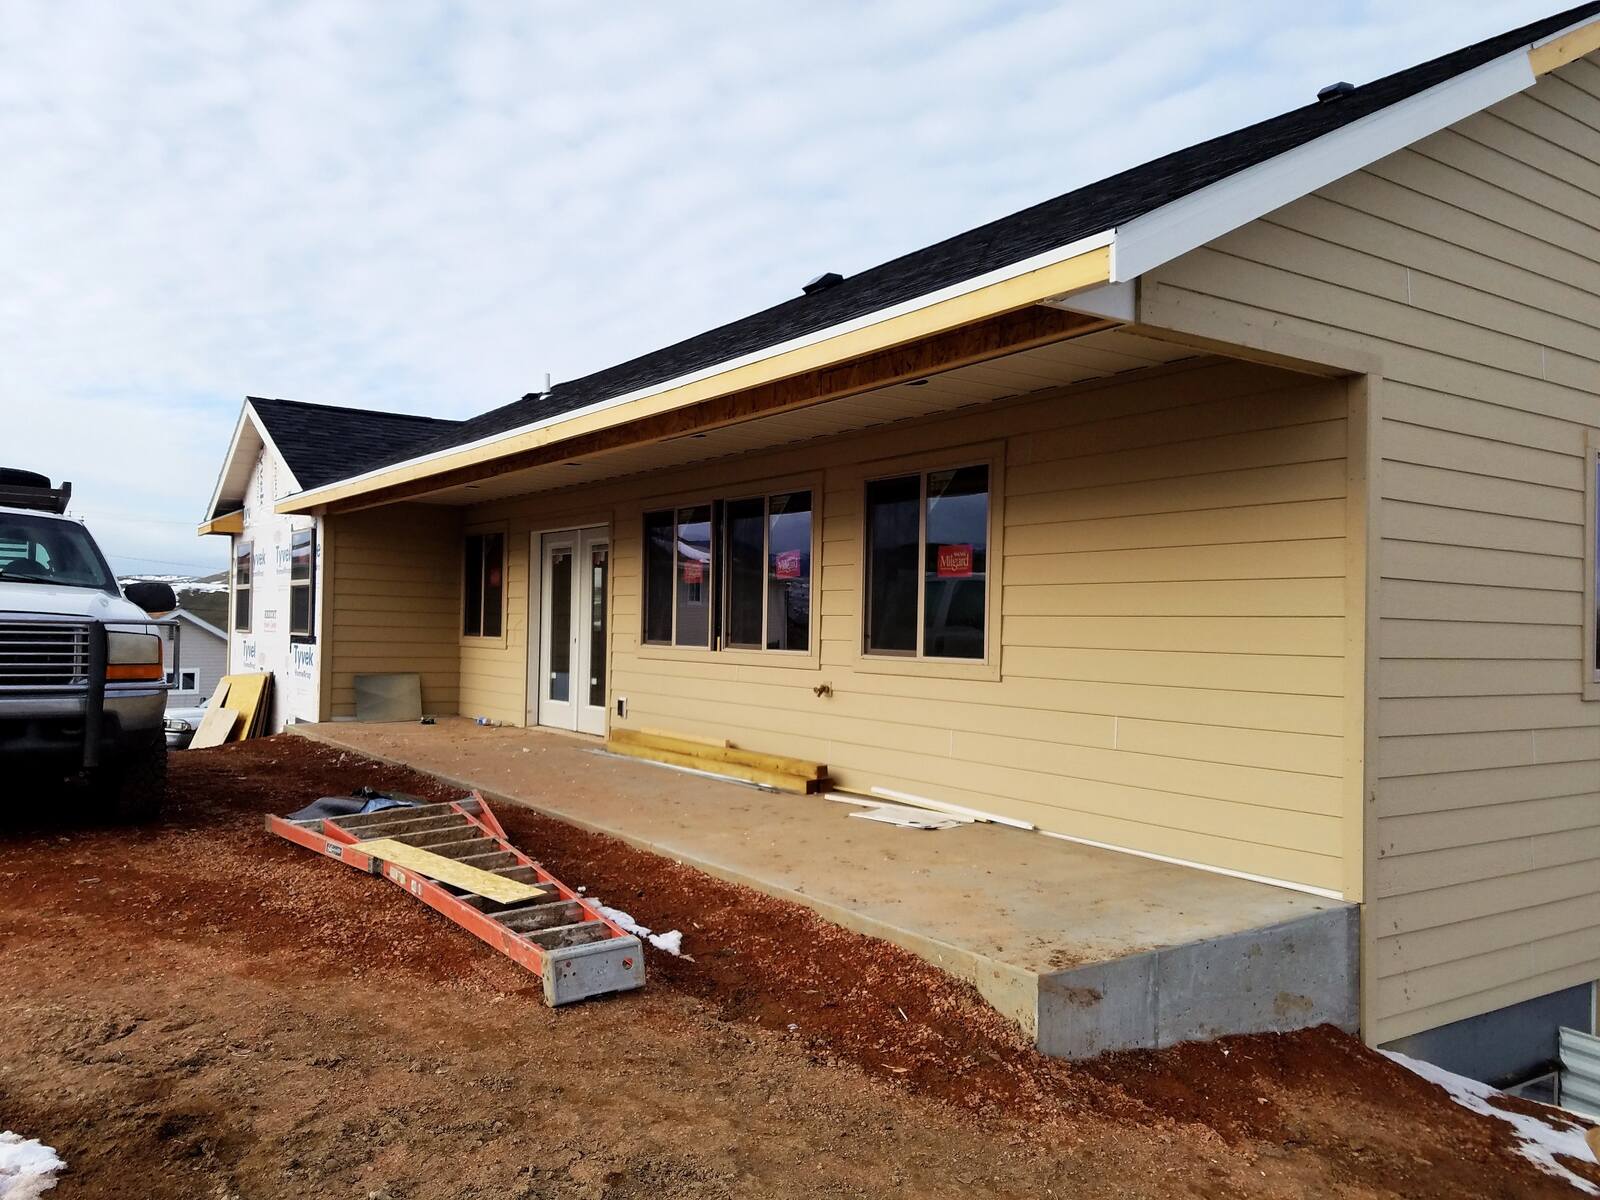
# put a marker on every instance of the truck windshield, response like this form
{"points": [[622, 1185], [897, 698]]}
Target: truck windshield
{"points": [[47, 550]]}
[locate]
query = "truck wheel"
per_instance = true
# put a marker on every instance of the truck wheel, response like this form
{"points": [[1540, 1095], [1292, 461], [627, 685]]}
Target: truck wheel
{"points": [[133, 789]]}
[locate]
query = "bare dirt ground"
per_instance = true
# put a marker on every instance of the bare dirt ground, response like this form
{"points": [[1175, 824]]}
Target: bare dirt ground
{"points": [[198, 1009]]}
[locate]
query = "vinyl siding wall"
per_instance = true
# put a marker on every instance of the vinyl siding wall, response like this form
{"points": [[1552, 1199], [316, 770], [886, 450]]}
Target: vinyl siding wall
{"points": [[1469, 264], [1170, 673], [393, 577]]}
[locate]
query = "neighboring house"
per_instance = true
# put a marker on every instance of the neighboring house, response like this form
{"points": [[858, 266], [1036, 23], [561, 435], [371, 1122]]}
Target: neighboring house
{"points": [[198, 662], [1238, 509]]}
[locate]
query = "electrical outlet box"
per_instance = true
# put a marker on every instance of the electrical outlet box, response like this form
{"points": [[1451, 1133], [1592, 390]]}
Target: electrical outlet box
{"points": [[622, 708]]}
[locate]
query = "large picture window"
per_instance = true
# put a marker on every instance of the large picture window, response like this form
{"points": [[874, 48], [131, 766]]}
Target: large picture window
{"points": [[483, 585], [732, 574], [927, 559], [242, 560], [302, 583]]}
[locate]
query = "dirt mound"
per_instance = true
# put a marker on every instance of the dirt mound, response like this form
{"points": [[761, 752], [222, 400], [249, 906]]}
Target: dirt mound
{"points": [[123, 920]]}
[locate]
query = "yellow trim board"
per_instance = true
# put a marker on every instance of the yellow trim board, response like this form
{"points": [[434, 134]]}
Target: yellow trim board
{"points": [[1564, 49], [227, 523], [1080, 271], [447, 870]]}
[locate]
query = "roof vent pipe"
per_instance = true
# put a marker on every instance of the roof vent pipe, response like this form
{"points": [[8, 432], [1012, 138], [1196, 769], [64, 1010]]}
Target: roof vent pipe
{"points": [[1335, 91], [823, 282]]}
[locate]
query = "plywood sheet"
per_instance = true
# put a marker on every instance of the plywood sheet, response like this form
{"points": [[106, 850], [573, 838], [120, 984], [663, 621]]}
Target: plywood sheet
{"points": [[215, 727], [448, 870], [246, 694]]}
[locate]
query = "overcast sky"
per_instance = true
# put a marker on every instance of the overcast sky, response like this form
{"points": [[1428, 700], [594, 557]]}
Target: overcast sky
{"points": [[426, 206]]}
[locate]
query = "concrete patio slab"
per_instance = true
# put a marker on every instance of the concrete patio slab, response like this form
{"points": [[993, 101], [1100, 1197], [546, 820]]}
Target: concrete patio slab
{"points": [[1087, 949]]}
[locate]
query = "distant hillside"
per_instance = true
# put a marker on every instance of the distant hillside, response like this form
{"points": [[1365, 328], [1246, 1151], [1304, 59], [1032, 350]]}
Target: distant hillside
{"points": [[206, 596]]}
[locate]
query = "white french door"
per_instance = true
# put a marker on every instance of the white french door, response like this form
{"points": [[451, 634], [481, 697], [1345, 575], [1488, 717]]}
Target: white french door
{"points": [[575, 575]]}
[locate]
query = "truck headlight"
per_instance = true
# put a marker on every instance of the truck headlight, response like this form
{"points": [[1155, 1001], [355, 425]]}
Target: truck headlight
{"points": [[133, 657], [178, 725]]}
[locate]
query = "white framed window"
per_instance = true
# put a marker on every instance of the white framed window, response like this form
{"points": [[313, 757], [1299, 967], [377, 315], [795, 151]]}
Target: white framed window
{"points": [[188, 681], [731, 574], [243, 553], [302, 584], [483, 585], [926, 554]]}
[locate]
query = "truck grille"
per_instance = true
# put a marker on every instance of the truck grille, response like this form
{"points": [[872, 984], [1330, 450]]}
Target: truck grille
{"points": [[37, 654]]}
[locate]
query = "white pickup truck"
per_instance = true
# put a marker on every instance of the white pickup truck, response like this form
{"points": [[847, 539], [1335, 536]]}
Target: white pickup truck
{"points": [[82, 683]]}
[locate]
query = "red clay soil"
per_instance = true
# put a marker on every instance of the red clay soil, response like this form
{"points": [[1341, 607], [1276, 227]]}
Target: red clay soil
{"points": [[198, 1008]]}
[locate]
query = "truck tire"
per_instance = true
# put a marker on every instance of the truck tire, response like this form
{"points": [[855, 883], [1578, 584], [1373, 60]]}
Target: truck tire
{"points": [[132, 789]]}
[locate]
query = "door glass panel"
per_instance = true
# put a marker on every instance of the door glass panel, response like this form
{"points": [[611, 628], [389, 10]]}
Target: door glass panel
{"points": [[560, 625], [789, 572], [892, 553], [744, 572], [597, 627], [955, 567], [694, 576]]}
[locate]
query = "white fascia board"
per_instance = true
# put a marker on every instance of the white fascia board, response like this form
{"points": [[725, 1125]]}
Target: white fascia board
{"points": [[1164, 234], [927, 300], [248, 418], [227, 461], [1113, 301]]}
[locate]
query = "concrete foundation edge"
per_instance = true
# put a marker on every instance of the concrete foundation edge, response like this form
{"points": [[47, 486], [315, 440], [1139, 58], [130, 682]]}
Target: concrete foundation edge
{"points": [[1289, 976]]}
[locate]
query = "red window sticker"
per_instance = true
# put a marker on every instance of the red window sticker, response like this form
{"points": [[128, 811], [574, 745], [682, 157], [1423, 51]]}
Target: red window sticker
{"points": [[955, 561], [693, 571], [787, 565]]}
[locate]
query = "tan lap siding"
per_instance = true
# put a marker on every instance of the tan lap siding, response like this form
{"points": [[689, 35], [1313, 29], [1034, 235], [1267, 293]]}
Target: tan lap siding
{"points": [[1469, 264], [1171, 608], [395, 584]]}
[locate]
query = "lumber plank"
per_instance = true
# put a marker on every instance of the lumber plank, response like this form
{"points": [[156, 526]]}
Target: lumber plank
{"points": [[773, 779], [448, 870], [775, 763]]}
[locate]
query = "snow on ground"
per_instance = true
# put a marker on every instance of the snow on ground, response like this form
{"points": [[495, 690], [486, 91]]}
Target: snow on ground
{"points": [[1540, 1141], [28, 1168], [671, 942]]}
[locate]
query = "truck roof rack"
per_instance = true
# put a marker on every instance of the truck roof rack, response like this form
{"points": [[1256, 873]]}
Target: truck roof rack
{"points": [[29, 489]]}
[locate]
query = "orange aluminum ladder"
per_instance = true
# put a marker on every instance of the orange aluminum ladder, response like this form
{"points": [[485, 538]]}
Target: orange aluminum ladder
{"points": [[564, 938]]}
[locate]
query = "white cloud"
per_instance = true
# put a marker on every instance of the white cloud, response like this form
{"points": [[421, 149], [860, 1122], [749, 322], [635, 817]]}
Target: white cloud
{"points": [[425, 205]]}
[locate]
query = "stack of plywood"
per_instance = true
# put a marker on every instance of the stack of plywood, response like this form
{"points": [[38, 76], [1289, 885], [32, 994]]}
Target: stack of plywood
{"points": [[719, 758], [240, 708]]}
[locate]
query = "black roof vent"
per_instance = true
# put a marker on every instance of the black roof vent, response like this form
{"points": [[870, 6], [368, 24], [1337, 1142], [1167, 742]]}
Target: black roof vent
{"points": [[1335, 91], [823, 282]]}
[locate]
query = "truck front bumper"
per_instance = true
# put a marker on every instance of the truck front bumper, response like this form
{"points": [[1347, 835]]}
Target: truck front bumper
{"points": [[49, 729]]}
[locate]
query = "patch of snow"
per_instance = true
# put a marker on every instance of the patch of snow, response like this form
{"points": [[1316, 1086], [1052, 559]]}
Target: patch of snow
{"points": [[671, 942], [28, 1167], [1540, 1141]]}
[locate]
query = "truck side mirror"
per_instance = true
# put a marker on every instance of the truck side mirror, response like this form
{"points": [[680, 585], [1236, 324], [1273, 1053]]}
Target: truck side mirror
{"points": [[152, 597]]}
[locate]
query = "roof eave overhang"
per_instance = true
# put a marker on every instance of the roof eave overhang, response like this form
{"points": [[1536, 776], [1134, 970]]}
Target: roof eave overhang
{"points": [[230, 522], [1083, 264], [1100, 269]]}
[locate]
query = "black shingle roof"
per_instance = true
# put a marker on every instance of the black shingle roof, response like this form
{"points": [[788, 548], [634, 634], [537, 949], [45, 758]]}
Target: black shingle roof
{"points": [[323, 443], [1052, 224]]}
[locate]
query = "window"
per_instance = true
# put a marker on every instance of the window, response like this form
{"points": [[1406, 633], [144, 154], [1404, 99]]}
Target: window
{"points": [[302, 583], [732, 574], [483, 585], [188, 681], [242, 553], [927, 564]]}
